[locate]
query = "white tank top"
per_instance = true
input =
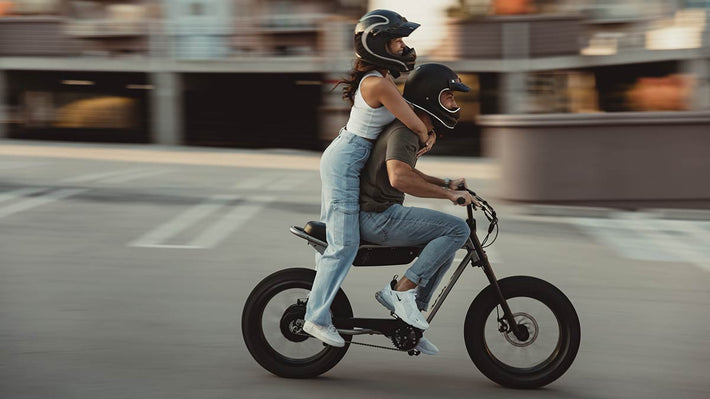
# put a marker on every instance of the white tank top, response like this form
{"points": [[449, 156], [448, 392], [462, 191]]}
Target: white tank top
{"points": [[364, 120]]}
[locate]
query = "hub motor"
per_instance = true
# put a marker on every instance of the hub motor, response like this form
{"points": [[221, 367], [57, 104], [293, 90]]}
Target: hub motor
{"points": [[292, 322]]}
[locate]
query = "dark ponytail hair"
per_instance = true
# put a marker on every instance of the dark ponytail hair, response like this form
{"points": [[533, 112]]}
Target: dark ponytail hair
{"points": [[360, 69]]}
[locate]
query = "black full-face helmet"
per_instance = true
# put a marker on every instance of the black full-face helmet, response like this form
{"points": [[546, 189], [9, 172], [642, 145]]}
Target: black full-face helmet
{"points": [[423, 90], [374, 32]]}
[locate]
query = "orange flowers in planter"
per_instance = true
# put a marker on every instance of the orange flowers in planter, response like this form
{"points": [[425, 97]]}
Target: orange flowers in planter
{"points": [[512, 7], [668, 93]]}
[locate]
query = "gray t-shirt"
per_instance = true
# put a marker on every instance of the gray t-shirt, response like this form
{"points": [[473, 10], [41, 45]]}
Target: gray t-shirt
{"points": [[395, 142]]}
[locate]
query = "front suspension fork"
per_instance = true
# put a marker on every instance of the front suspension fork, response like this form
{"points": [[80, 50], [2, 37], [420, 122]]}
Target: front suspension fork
{"points": [[521, 334]]}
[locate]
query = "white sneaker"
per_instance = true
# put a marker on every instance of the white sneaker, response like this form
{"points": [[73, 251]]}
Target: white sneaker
{"points": [[426, 347], [328, 334], [403, 304]]}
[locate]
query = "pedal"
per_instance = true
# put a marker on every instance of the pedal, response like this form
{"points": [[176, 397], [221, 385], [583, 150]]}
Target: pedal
{"points": [[414, 352]]}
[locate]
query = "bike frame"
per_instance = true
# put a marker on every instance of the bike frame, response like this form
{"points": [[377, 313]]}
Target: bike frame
{"points": [[473, 247]]}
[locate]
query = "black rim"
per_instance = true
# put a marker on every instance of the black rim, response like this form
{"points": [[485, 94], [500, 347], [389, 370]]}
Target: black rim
{"points": [[263, 303], [557, 354]]}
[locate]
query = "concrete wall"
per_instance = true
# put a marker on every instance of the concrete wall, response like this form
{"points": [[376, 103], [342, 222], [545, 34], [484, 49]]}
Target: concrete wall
{"points": [[624, 158]]}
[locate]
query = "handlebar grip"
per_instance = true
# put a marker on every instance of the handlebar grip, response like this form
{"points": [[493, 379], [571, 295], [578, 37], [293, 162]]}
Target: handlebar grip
{"points": [[460, 200]]}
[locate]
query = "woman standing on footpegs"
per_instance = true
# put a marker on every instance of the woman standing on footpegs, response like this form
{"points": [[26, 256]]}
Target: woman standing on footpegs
{"points": [[376, 101]]}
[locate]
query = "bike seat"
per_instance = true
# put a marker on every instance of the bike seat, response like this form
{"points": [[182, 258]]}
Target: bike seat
{"points": [[317, 230], [369, 254]]}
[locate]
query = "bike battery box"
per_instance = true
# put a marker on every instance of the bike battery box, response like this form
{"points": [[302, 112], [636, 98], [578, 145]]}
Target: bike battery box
{"points": [[375, 255]]}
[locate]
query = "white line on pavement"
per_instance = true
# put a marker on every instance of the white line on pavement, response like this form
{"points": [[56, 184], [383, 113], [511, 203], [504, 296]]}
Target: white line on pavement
{"points": [[135, 176], [18, 164], [158, 236], [230, 223], [34, 202], [22, 192], [651, 239], [270, 181], [616, 234], [288, 182], [678, 242], [99, 176], [255, 182]]}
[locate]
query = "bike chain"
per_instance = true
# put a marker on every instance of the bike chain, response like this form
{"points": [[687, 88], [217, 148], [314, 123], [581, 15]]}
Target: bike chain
{"points": [[414, 352], [377, 346]]}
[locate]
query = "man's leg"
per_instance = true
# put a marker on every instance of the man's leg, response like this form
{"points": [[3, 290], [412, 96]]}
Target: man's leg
{"points": [[442, 234], [424, 294]]}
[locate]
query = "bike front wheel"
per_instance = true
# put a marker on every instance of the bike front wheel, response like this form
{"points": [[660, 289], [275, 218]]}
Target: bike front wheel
{"points": [[551, 324], [272, 322]]}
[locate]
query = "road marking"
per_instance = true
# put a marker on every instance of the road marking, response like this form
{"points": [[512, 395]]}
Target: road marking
{"points": [[34, 202], [19, 164], [678, 241], [270, 181], [289, 182], [135, 176], [181, 222], [253, 182], [22, 192], [99, 176], [642, 238], [230, 223], [210, 236]]}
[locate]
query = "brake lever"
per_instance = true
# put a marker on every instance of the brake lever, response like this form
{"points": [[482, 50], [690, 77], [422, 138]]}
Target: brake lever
{"points": [[461, 200]]}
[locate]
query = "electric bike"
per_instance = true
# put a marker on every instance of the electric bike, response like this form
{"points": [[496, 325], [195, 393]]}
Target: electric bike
{"points": [[520, 331]]}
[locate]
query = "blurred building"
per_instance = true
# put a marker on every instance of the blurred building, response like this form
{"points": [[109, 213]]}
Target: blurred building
{"points": [[261, 73]]}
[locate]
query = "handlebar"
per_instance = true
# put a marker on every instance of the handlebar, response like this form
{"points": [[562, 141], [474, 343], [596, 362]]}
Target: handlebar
{"points": [[484, 205], [487, 209]]}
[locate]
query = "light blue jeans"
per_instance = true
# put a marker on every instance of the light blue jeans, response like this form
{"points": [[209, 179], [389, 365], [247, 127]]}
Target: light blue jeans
{"points": [[442, 234], [340, 168]]}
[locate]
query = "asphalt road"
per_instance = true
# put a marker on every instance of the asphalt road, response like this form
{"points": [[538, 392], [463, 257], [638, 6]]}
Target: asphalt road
{"points": [[124, 271]]}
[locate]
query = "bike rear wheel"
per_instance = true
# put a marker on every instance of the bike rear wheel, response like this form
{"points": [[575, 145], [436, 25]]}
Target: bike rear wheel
{"points": [[550, 320], [271, 321]]}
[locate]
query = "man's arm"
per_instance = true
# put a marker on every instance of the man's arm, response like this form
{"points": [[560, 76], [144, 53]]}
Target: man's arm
{"points": [[429, 179], [410, 181], [452, 183]]}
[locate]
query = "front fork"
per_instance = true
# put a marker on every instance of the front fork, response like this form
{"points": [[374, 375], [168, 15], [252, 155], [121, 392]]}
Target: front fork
{"points": [[521, 334]]}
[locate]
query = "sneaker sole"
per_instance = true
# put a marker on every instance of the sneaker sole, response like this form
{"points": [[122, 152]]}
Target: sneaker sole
{"points": [[425, 351], [383, 302], [326, 341]]}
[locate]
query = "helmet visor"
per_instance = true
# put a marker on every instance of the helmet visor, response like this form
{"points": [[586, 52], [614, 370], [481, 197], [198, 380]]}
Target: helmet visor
{"points": [[403, 30], [457, 85]]}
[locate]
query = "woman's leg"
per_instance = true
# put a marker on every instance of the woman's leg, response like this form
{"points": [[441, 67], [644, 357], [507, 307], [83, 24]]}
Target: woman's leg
{"points": [[340, 176]]}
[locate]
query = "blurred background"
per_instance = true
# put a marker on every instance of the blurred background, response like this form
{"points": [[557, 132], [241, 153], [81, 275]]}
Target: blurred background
{"points": [[154, 153], [607, 76]]}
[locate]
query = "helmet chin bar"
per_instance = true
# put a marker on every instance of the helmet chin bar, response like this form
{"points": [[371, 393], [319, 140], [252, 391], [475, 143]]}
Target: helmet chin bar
{"points": [[435, 119]]}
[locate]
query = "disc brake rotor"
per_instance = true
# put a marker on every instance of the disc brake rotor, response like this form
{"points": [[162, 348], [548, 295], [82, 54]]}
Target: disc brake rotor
{"points": [[523, 320]]}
